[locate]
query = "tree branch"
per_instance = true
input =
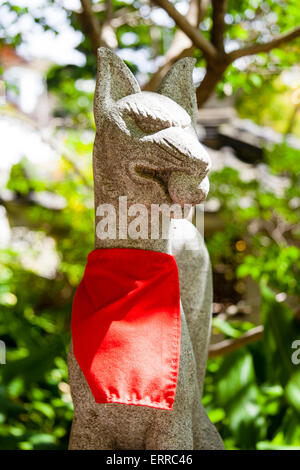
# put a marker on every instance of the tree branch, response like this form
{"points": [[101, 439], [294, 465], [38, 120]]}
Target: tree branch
{"points": [[211, 78], [181, 45], [216, 68], [156, 78], [264, 47], [109, 9], [191, 31], [99, 34], [218, 26], [90, 24], [202, 8], [230, 345]]}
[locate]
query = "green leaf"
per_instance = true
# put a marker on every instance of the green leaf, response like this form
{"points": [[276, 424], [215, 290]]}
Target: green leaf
{"points": [[216, 415], [292, 392], [44, 408], [237, 393], [226, 328], [264, 445], [280, 330]]}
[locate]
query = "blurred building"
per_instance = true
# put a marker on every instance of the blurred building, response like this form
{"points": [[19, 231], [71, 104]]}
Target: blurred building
{"points": [[25, 85]]}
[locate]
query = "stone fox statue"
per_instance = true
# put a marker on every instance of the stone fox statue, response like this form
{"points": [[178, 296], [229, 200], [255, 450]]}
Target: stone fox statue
{"points": [[146, 149]]}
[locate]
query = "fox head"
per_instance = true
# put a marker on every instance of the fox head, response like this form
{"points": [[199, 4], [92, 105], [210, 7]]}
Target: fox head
{"points": [[146, 146]]}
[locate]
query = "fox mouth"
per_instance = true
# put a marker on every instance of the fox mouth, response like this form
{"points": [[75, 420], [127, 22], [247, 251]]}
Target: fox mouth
{"points": [[161, 177], [178, 186]]}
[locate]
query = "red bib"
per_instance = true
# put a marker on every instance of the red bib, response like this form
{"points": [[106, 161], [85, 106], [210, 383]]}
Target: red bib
{"points": [[126, 327]]}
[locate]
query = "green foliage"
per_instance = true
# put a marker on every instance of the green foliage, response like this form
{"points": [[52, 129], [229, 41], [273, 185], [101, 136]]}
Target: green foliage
{"points": [[272, 97], [246, 21], [35, 412], [35, 403], [252, 395]]}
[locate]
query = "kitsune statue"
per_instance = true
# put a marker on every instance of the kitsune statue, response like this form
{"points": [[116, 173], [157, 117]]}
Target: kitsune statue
{"points": [[146, 149]]}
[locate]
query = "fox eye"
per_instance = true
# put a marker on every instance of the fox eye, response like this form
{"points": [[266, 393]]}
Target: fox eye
{"points": [[151, 119], [149, 124]]}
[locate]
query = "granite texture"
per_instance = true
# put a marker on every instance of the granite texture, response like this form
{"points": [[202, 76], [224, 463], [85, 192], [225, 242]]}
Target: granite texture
{"points": [[146, 148]]}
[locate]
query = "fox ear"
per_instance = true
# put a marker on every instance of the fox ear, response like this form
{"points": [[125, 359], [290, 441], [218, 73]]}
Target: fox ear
{"points": [[114, 81], [178, 85]]}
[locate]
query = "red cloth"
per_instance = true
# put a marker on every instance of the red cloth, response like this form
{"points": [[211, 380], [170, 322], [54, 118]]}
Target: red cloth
{"points": [[126, 327]]}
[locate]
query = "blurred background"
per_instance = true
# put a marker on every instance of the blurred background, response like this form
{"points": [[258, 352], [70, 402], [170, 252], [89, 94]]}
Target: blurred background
{"points": [[247, 77]]}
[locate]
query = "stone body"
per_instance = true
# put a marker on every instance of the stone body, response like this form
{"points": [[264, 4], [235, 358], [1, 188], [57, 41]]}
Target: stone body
{"points": [[146, 148]]}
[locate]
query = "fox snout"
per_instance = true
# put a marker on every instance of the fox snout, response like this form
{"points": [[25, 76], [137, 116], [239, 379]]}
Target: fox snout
{"points": [[187, 189], [182, 150], [188, 161]]}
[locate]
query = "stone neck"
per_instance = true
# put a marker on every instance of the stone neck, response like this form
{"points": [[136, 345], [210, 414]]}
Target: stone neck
{"points": [[161, 243]]}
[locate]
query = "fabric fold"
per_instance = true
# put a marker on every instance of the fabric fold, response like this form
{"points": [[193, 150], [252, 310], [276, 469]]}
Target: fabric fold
{"points": [[126, 327]]}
